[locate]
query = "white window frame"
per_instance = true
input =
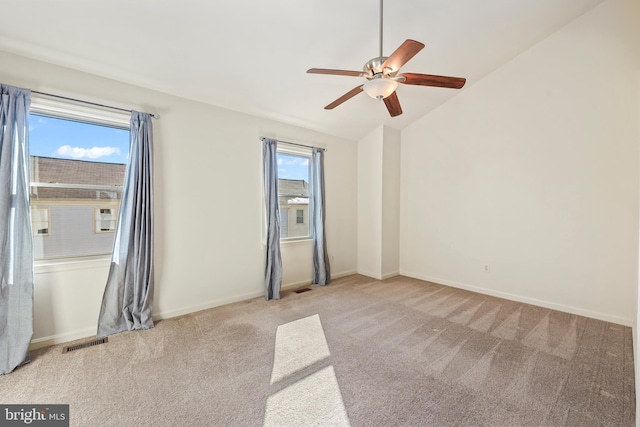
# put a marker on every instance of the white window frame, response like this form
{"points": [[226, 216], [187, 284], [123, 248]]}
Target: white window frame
{"points": [[300, 152], [81, 112], [98, 219], [47, 220]]}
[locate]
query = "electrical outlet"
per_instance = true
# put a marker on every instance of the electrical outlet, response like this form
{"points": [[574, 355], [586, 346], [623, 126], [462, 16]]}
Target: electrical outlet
{"points": [[486, 268]]}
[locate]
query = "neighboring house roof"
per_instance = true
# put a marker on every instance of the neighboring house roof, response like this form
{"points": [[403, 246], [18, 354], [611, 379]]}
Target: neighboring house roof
{"points": [[298, 201], [293, 187], [293, 192], [64, 171], [51, 170]]}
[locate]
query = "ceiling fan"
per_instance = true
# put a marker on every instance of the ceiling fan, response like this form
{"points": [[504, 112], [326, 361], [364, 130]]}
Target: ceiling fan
{"points": [[383, 78]]}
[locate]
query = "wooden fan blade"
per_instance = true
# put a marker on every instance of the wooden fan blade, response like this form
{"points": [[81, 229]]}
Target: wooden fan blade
{"points": [[353, 92], [431, 80], [335, 72], [393, 104], [403, 54]]}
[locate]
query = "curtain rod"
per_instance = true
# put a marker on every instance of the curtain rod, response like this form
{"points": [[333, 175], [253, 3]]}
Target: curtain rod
{"points": [[262, 138], [154, 115]]}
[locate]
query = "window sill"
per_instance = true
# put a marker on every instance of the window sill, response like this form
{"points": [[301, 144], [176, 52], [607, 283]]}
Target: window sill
{"points": [[68, 264], [295, 241]]}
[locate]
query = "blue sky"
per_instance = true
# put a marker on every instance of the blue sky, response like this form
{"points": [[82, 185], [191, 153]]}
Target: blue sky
{"points": [[293, 167], [66, 139]]}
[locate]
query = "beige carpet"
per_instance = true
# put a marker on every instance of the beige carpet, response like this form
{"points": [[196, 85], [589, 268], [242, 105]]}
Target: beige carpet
{"points": [[359, 352]]}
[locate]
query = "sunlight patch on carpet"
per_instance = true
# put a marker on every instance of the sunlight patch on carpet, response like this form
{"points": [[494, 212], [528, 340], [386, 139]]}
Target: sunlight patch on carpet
{"points": [[315, 399], [299, 344]]}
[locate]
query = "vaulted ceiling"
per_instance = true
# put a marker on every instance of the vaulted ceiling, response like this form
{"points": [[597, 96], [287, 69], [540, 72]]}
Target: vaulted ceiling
{"points": [[252, 56]]}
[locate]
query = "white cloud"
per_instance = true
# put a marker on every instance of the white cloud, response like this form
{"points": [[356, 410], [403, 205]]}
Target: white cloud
{"points": [[33, 126], [280, 161], [91, 153], [295, 161]]}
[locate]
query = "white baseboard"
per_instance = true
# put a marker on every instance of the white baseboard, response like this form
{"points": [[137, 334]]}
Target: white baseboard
{"points": [[527, 300], [343, 274], [295, 285], [162, 315], [91, 332], [308, 282], [369, 274], [62, 338], [379, 276]]}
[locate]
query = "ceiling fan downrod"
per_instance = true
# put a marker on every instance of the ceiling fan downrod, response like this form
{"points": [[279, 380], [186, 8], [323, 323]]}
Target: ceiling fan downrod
{"points": [[381, 22]]}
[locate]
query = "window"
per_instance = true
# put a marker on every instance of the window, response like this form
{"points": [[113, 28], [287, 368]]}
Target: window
{"points": [[40, 221], [106, 220], [77, 163], [294, 193]]}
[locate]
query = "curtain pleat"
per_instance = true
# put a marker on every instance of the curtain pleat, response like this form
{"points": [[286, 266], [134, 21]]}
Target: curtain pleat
{"points": [[321, 267], [128, 296], [273, 264], [16, 245]]}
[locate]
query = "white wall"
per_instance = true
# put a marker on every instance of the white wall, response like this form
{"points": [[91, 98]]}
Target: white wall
{"points": [[636, 324], [390, 202], [208, 205], [370, 151], [533, 171], [378, 203]]}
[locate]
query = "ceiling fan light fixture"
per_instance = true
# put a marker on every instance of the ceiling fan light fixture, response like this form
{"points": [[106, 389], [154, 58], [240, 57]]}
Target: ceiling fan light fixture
{"points": [[380, 87]]}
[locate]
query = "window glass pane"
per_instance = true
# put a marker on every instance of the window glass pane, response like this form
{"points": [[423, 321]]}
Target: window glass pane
{"points": [[293, 194], [77, 172], [106, 219]]}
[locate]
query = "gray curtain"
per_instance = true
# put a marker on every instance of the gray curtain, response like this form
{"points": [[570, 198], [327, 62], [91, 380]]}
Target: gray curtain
{"points": [[273, 268], [16, 246], [128, 296], [321, 268]]}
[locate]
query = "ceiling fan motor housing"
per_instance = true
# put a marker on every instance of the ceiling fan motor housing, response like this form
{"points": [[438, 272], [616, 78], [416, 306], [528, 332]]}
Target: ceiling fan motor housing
{"points": [[374, 67]]}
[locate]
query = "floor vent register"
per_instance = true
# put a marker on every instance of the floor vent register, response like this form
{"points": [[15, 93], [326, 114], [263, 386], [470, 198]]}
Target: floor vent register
{"points": [[91, 343]]}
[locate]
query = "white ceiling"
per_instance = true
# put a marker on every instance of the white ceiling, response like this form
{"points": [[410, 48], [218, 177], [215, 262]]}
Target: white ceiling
{"points": [[252, 56]]}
